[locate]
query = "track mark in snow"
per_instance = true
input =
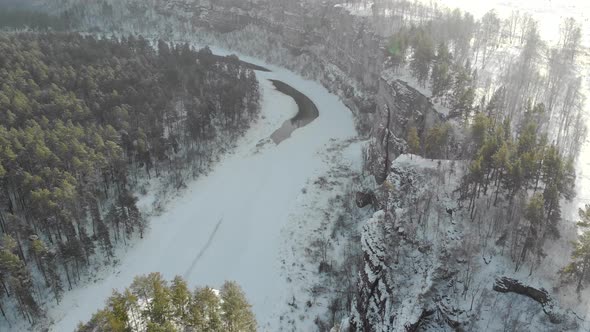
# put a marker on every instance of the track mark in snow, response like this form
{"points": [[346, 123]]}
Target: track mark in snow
{"points": [[202, 252]]}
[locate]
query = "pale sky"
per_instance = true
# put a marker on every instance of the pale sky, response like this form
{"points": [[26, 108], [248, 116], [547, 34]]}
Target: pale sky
{"points": [[549, 13]]}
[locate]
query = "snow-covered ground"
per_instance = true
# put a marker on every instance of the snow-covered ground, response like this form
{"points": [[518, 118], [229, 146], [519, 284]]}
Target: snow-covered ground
{"points": [[549, 13], [228, 225]]}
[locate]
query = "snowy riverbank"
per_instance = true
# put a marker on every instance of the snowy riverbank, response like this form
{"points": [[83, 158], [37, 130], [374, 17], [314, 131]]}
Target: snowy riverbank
{"points": [[227, 225]]}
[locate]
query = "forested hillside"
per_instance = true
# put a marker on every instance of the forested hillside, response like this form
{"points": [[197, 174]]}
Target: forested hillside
{"points": [[81, 119]]}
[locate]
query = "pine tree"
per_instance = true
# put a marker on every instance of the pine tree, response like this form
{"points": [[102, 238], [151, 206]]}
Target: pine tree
{"points": [[579, 267], [480, 129], [441, 79], [13, 272], [584, 217], [398, 45], [413, 140], [437, 139], [236, 312], [501, 162], [46, 262], [53, 275], [463, 94], [422, 56], [153, 291], [205, 311], [181, 298], [534, 213]]}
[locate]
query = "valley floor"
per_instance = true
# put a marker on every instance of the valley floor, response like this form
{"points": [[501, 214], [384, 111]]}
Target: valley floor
{"points": [[230, 224]]}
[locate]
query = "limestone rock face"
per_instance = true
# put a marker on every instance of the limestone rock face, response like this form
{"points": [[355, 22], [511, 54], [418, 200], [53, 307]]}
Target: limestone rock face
{"points": [[409, 106], [375, 294], [399, 106], [364, 198]]}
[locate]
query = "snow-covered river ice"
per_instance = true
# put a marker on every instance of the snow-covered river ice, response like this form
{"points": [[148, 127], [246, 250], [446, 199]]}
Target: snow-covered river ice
{"points": [[228, 225]]}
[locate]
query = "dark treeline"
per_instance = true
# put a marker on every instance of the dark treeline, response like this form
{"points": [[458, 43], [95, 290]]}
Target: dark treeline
{"points": [[80, 119], [17, 18]]}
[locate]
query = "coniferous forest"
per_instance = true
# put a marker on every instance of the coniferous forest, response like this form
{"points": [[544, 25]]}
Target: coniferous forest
{"points": [[153, 304], [82, 119]]}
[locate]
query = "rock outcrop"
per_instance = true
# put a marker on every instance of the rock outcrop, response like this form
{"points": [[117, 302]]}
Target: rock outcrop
{"points": [[540, 295]]}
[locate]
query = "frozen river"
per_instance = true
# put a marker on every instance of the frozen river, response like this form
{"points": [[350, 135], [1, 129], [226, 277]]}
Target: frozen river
{"points": [[227, 225]]}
